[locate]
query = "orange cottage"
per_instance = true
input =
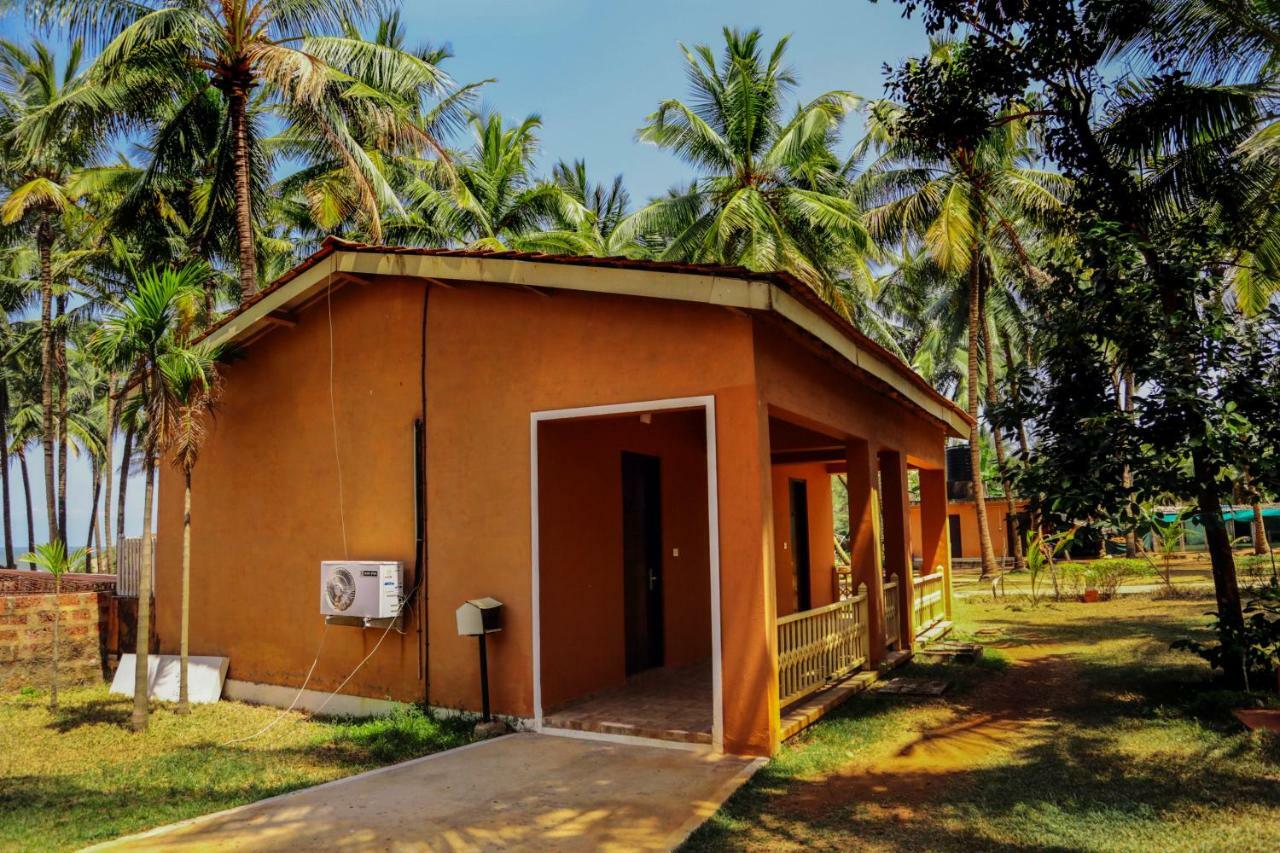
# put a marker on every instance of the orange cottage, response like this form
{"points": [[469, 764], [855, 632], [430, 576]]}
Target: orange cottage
{"points": [[634, 457]]}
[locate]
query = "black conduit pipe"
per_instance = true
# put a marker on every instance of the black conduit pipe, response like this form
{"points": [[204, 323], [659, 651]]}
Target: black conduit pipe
{"points": [[420, 511]]}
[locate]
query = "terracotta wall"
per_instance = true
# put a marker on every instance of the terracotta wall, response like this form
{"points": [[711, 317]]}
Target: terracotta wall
{"points": [[266, 505], [821, 535], [997, 512], [580, 515], [813, 391], [499, 355], [265, 497]]}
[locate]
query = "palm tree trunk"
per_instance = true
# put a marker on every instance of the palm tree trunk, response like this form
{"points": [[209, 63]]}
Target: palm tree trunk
{"points": [[57, 626], [124, 483], [93, 515], [237, 104], [975, 451], [1260, 544], [1011, 510], [97, 543], [1126, 475], [141, 699], [44, 244], [60, 356], [107, 468], [4, 473], [184, 706], [26, 490]]}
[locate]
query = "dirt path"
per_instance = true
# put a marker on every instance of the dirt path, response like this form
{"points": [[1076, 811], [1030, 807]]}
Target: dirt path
{"points": [[1014, 710]]}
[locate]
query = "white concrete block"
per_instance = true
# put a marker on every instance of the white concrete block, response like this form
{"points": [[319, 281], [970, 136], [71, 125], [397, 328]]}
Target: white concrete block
{"points": [[205, 676]]}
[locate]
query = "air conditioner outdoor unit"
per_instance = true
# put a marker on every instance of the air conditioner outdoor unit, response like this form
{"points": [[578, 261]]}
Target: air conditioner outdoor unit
{"points": [[368, 589]]}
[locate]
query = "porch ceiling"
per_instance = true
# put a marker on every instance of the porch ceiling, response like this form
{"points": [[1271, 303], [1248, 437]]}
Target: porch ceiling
{"points": [[791, 443]]}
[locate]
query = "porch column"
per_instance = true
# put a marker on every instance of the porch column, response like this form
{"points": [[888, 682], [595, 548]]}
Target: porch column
{"points": [[864, 539], [748, 604], [897, 535], [935, 535]]}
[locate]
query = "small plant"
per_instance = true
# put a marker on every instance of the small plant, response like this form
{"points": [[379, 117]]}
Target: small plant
{"points": [[53, 558], [1167, 537], [1053, 547], [1039, 555]]}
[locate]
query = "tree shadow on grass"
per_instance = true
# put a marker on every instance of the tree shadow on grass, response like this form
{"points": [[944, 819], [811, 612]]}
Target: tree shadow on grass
{"points": [[1067, 785], [91, 712]]}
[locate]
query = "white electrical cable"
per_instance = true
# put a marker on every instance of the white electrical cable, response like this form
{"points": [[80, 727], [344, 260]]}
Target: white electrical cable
{"points": [[333, 414], [365, 659], [296, 697]]}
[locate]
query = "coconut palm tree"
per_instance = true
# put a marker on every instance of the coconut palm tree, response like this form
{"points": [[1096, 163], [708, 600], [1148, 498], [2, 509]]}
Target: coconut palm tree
{"points": [[15, 270], [41, 154], [54, 559], [319, 198], [606, 232], [245, 59], [489, 197], [138, 338], [191, 383], [768, 193], [971, 212]]}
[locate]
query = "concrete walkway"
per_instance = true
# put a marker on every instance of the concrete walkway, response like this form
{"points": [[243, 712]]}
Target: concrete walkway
{"points": [[522, 791]]}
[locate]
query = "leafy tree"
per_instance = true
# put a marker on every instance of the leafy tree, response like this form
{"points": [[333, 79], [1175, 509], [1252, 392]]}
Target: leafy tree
{"points": [[769, 194], [54, 559], [191, 383], [141, 338], [1157, 180]]}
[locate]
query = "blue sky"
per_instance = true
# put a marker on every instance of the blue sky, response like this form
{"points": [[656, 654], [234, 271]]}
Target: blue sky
{"points": [[593, 71]]}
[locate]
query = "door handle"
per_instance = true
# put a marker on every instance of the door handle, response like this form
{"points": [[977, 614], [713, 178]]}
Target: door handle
{"points": [[653, 580]]}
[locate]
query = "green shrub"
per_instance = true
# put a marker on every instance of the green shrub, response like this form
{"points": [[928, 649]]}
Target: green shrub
{"points": [[1071, 579], [1256, 569], [1106, 576]]}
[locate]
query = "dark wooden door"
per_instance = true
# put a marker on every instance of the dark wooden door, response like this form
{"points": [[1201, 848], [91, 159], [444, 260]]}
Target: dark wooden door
{"points": [[642, 560], [800, 542], [957, 550]]}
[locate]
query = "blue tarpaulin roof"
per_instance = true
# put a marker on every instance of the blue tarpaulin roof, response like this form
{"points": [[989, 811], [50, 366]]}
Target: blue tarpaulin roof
{"points": [[1229, 513]]}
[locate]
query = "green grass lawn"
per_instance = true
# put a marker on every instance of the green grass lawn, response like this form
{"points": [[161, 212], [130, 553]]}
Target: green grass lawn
{"points": [[1079, 730], [80, 775]]}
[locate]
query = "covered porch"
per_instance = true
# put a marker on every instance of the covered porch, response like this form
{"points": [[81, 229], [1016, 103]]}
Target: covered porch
{"points": [[850, 601]]}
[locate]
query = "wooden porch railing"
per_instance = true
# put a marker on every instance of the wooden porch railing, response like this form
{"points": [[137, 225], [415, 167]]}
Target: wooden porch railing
{"points": [[844, 582], [892, 622], [928, 601], [820, 645]]}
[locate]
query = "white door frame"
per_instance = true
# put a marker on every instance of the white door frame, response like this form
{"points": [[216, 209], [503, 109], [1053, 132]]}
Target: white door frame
{"points": [[708, 405]]}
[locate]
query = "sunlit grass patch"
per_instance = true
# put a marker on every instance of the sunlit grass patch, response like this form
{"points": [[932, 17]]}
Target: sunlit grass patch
{"points": [[1082, 730], [79, 775]]}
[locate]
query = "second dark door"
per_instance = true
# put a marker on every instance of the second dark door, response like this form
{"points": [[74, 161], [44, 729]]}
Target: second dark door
{"points": [[642, 560], [800, 542]]}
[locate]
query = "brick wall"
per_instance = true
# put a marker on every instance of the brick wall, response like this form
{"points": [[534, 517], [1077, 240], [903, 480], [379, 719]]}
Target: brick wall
{"points": [[26, 639]]}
